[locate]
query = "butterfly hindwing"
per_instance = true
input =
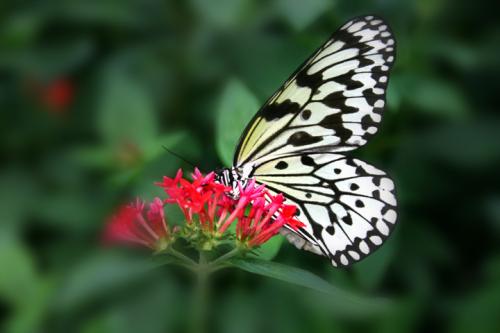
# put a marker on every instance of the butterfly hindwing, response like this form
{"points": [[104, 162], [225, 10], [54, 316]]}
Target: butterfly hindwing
{"points": [[348, 206], [333, 102]]}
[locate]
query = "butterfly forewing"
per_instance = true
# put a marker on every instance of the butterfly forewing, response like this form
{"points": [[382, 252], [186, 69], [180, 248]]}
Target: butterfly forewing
{"points": [[334, 101], [295, 144]]}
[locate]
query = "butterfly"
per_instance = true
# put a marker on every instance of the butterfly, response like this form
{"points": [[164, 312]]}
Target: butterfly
{"points": [[296, 144]]}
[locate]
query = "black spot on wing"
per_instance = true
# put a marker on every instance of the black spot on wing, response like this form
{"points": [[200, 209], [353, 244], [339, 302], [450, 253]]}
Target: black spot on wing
{"points": [[347, 219], [312, 81], [348, 82], [281, 165], [317, 229], [276, 111], [347, 37], [330, 230], [360, 171], [307, 160], [364, 61], [336, 100], [306, 114], [367, 122], [334, 121], [350, 162], [302, 138]]}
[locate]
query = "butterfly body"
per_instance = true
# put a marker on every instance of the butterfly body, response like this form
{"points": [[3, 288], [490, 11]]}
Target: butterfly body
{"points": [[297, 142], [234, 178]]}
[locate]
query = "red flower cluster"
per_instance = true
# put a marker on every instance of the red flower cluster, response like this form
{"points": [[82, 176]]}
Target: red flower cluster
{"points": [[56, 95], [208, 208], [131, 225], [199, 200], [264, 220]]}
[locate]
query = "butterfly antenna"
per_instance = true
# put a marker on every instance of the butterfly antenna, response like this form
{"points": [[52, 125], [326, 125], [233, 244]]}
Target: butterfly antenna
{"points": [[179, 157]]}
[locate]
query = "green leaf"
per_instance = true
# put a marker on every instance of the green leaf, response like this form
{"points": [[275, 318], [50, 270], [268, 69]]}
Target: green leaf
{"points": [[394, 93], [478, 312], [20, 29], [236, 107], [340, 299], [221, 13], [30, 316], [403, 317], [102, 274], [126, 112], [49, 61], [432, 95], [301, 13], [158, 302], [21, 287], [120, 14], [269, 249], [19, 191], [18, 281], [172, 140], [68, 210], [470, 144], [372, 269]]}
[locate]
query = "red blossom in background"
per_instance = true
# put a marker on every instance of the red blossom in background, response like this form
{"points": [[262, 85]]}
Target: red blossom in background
{"points": [[131, 225], [57, 95]]}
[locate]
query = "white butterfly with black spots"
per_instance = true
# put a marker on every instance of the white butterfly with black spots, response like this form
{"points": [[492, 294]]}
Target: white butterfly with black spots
{"points": [[295, 144]]}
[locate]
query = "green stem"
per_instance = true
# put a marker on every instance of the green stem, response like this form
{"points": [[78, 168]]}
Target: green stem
{"points": [[201, 295], [225, 256], [203, 268], [185, 259]]}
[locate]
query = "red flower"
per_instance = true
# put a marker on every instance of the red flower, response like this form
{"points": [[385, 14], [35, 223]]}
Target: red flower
{"points": [[199, 200], [265, 219], [209, 212], [258, 214], [130, 225], [57, 95]]}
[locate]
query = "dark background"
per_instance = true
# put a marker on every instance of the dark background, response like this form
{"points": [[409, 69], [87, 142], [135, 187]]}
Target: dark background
{"points": [[91, 90]]}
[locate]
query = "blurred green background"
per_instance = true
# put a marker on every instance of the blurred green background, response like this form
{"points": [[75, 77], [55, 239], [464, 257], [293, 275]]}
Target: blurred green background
{"points": [[91, 90]]}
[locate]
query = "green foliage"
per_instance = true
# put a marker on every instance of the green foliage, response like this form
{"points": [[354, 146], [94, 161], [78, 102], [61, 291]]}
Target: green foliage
{"points": [[126, 115], [370, 272], [100, 275], [270, 249], [302, 13], [222, 13], [148, 74], [18, 285], [236, 107], [341, 300]]}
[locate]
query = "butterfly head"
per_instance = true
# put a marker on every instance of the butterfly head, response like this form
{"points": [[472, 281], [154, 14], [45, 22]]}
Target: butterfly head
{"points": [[235, 178]]}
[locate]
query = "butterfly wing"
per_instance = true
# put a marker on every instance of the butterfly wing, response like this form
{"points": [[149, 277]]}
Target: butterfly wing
{"points": [[333, 102], [348, 206]]}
